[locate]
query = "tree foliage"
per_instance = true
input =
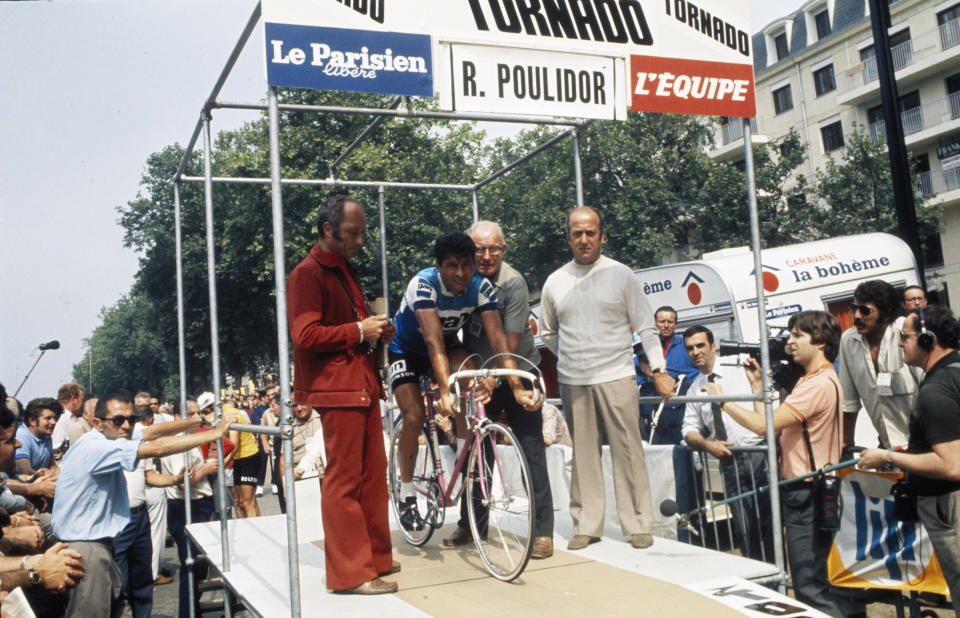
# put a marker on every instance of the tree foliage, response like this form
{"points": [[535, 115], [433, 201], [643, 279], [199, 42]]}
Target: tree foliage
{"points": [[662, 197]]}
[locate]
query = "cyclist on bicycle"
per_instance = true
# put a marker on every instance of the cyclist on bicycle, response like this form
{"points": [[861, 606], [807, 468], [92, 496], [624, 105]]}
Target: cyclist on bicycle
{"points": [[438, 302]]}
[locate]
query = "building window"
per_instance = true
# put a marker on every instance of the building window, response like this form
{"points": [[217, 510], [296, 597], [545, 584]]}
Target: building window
{"points": [[782, 99], [824, 80], [953, 95], [780, 42], [822, 20], [832, 136], [949, 23]]}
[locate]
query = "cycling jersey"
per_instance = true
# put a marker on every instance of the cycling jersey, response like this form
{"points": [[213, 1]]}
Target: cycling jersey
{"points": [[426, 291]]}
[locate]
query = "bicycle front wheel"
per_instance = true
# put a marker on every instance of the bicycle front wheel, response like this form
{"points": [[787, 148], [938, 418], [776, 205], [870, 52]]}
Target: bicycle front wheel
{"points": [[501, 502], [424, 484]]}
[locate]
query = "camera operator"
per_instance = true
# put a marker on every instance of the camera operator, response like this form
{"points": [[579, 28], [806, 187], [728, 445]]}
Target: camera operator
{"points": [[929, 341], [813, 406], [871, 368]]}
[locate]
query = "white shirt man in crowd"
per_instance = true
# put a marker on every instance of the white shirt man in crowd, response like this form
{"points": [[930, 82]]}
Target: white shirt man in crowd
{"points": [[872, 371], [70, 397], [590, 307], [742, 471]]}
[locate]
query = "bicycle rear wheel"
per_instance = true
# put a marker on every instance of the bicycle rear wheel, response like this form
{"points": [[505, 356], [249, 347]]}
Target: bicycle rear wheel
{"points": [[501, 503], [424, 484]]}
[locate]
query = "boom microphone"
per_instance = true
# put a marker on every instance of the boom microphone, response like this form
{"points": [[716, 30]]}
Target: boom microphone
{"points": [[50, 345]]}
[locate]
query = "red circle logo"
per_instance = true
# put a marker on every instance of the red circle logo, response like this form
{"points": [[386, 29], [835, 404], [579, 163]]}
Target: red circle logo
{"points": [[694, 293], [770, 281], [533, 326]]}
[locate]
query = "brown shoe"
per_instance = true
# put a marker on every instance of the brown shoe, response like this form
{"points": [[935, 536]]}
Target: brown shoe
{"points": [[394, 568], [542, 547], [161, 580], [374, 586], [460, 536], [641, 541], [579, 541]]}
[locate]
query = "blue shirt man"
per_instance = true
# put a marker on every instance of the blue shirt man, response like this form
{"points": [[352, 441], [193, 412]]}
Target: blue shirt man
{"points": [[35, 450], [669, 422], [91, 505]]}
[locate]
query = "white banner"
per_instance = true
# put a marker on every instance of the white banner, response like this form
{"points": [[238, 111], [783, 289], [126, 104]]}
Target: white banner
{"points": [[490, 79], [715, 30]]}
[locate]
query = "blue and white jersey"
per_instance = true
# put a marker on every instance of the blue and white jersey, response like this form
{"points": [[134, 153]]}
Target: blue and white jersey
{"points": [[426, 291]]}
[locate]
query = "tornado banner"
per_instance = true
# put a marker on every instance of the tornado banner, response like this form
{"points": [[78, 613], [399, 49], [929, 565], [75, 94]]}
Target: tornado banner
{"points": [[565, 58], [872, 548]]}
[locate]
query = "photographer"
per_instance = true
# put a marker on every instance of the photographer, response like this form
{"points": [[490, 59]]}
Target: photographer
{"points": [[929, 341], [812, 409]]}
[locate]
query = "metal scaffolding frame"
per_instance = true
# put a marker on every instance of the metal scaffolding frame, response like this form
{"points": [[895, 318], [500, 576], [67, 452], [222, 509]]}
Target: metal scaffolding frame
{"points": [[398, 108]]}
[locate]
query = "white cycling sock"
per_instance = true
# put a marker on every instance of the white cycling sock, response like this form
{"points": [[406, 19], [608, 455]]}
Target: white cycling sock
{"points": [[406, 490]]}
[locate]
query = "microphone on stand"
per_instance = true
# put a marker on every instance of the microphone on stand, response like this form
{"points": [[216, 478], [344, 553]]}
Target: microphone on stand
{"points": [[668, 508], [50, 345]]}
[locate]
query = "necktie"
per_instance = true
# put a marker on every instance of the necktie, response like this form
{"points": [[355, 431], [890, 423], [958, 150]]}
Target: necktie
{"points": [[719, 430]]}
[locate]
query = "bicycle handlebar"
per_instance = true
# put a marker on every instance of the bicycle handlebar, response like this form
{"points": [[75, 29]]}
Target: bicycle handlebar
{"points": [[495, 373]]}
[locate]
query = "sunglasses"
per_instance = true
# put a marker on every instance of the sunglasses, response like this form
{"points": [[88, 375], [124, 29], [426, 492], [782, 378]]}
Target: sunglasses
{"points": [[118, 420], [863, 309], [904, 334]]}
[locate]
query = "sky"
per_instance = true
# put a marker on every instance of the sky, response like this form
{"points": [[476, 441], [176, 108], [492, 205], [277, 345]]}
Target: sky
{"points": [[90, 88]]}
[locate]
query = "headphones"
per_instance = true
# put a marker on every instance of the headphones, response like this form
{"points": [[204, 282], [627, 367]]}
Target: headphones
{"points": [[925, 339]]}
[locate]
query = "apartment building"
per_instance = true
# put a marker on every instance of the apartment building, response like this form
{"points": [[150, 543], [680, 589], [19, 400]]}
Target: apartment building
{"points": [[816, 72]]}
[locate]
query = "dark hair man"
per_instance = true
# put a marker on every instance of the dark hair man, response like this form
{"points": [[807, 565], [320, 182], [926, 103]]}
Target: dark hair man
{"points": [[334, 334], [813, 404], [871, 369], [91, 505], [590, 306], [913, 297], [514, 308], [70, 397], [932, 459], [668, 429], [36, 450], [705, 429], [41, 576], [438, 302]]}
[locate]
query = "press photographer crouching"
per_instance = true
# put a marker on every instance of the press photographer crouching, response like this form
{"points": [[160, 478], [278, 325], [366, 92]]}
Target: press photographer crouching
{"points": [[808, 421], [932, 461]]}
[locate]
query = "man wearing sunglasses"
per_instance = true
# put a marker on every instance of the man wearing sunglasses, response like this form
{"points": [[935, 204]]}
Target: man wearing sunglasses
{"points": [[91, 506], [872, 371]]}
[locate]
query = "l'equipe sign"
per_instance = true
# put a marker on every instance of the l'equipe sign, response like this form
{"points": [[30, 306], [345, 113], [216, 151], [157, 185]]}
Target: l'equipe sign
{"points": [[598, 32]]}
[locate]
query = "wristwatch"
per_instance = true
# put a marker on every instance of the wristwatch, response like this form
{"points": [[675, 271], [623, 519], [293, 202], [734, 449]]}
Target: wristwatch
{"points": [[658, 370], [35, 579]]}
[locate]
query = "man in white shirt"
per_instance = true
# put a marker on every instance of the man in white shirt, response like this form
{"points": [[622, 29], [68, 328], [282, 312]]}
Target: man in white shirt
{"points": [[741, 471], [590, 308], [70, 397], [871, 367]]}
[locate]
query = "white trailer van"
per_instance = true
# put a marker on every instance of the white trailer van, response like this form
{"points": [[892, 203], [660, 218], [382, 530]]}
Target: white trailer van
{"points": [[719, 290]]}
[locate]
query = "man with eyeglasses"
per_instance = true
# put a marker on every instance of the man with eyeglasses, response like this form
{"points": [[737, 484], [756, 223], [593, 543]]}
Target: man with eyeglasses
{"points": [[929, 340], [438, 302], [913, 297], [514, 308], [91, 506], [872, 371]]}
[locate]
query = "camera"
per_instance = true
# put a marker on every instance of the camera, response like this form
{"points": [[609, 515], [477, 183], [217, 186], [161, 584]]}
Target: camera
{"points": [[785, 371]]}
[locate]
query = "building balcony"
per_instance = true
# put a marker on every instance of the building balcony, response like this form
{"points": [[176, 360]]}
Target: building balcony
{"points": [[930, 52], [730, 140], [924, 124], [945, 184]]}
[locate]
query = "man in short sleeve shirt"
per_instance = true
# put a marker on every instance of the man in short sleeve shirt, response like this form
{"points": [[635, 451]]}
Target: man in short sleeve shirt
{"points": [[932, 459], [438, 302]]}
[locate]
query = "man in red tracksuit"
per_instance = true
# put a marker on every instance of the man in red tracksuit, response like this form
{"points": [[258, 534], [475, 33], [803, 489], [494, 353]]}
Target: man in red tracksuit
{"points": [[334, 337]]}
